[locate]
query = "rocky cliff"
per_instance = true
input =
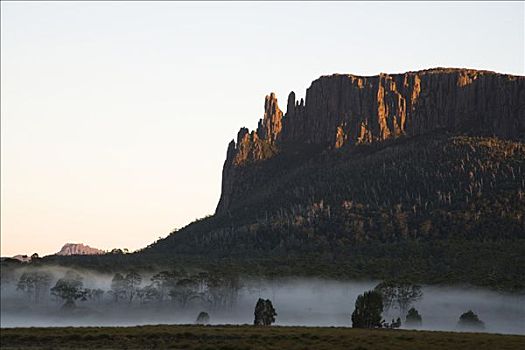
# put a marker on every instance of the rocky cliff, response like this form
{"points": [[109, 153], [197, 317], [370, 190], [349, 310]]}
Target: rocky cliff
{"points": [[78, 249], [346, 110]]}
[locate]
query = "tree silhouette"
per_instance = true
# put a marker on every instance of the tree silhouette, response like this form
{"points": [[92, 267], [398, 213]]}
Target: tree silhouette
{"points": [[118, 287], [132, 283], [184, 291], [413, 318], [69, 289], [469, 320], [203, 318], [368, 310], [34, 284], [264, 313], [399, 294]]}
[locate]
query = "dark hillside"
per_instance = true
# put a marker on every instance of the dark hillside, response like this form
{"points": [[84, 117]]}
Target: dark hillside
{"points": [[436, 208], [424, 188]]}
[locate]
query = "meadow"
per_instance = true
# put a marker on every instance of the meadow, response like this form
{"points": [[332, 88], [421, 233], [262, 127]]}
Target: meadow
{"points": [[248, 337]]}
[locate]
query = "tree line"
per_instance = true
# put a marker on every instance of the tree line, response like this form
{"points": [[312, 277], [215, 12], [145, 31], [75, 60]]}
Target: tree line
{"points": [[215, 292], [371, 306], [175, 286]]}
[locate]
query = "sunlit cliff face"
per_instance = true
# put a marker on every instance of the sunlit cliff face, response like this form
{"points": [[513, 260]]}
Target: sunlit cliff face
{"points": [[308, 302], [344, 110]]}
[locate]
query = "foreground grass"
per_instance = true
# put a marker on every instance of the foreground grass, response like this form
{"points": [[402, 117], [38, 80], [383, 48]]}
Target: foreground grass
{"points": [[248, 337]]}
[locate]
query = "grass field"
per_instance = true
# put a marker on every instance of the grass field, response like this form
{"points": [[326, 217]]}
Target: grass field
{"points": [[248, 337]]}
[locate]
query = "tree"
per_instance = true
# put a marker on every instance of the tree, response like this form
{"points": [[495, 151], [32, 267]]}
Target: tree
{"points": [[216, 294], [413, 318], [368, 310], [163, 281], [222, 290], [184, 291], [232, 287], [148, 294], [400, 294], [118, 287], [69, 289], [132, 282], [34, 284], [469, 320], [264, 313], [203, 318]]}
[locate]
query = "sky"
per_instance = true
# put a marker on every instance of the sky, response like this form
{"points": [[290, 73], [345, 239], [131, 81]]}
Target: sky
{"points": [[116, 116]]}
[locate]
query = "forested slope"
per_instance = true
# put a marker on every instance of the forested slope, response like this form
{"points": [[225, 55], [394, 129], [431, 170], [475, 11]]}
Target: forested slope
{"points": [[434, 208]]}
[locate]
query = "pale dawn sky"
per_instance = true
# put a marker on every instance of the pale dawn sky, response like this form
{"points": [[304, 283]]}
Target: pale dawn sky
{"points": [[115, 116]]}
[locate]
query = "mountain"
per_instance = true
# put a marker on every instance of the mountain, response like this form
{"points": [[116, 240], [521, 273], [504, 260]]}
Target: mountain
{"points": [[420, 174], [347, 110], [417, 176], [78, 249]]}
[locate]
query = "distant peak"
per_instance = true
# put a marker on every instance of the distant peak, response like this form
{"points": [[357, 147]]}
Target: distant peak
{"points": [[79, 249]]}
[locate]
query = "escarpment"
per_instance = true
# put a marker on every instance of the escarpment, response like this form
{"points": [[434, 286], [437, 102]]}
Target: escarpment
{"points": [[346, 110]]}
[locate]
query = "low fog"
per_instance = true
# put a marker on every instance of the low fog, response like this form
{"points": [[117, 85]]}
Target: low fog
{"points": [[298, 302]]}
